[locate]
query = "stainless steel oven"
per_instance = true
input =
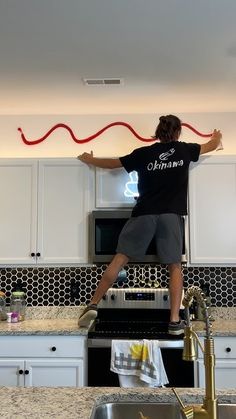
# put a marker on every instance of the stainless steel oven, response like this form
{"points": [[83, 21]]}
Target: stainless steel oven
{"points": [[104, 229], [135, 313]]}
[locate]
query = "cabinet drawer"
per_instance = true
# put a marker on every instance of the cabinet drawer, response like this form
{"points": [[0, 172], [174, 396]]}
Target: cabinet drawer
{"points": [[42, 346], [225, 348]]}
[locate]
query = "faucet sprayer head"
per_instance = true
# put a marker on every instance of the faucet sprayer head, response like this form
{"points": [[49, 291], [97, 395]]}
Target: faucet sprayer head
{"points": [[196, 292]]}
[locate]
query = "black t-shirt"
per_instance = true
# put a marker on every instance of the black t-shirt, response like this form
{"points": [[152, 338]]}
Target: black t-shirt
{"points": [[162, 176]]}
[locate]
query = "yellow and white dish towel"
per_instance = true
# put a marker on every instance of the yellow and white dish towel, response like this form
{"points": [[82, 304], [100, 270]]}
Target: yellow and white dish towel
{"points": [[138, 363]]}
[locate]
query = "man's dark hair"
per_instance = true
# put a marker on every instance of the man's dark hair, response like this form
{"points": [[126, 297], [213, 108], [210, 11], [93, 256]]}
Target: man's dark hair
{"points": [[169, 126]]}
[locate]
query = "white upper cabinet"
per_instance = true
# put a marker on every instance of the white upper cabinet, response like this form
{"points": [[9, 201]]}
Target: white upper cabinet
{"points": [[212, 211], [18, 210], [115, 188], [43, 216], [45, 205], [63, 204]]}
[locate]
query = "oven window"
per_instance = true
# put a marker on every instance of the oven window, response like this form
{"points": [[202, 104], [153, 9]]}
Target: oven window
{"points": [[180, 373], [99, 374]]}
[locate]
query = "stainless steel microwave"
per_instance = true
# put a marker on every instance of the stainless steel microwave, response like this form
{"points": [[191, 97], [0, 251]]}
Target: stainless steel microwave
{"points": [[104, 229]]}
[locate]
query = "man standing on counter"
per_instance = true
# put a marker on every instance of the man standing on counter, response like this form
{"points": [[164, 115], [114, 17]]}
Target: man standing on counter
{"points": [[162, 185]]}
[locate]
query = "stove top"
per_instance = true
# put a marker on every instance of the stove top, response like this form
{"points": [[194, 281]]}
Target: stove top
{"points": [[133, 314], [131, 324], [131, 330]]}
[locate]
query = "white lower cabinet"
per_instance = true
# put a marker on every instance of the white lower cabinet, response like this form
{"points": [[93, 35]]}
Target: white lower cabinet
{"points": [[225, 368], [11, 372], [49, 361]]}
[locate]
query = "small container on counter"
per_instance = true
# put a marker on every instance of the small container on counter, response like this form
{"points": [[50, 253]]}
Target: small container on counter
{"points": [[3, 315], [14, 317], [18, 304], [9, 317]]}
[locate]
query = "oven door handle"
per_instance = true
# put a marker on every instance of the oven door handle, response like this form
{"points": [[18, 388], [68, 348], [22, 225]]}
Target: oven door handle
{"points": [[106, 343]]}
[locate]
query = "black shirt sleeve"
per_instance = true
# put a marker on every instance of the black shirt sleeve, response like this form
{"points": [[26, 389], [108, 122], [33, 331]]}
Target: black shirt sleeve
{"points": [[131, 161], [194, 151]]}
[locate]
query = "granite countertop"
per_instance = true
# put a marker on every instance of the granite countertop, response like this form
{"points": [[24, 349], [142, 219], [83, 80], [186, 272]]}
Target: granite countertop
{"points": [[219, 327], [53, 320], [71, 403], [47, 321], [60, 326], [43, 327]]}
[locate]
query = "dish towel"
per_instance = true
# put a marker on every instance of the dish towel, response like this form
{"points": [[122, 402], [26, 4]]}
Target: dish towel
{"points": [[138, 363]]}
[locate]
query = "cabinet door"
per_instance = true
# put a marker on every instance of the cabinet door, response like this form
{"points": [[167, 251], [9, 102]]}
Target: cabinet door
{"points": [[18, 210], [11, 372], [54, 373], [63, 203], [115, 188], [212, 209], [225, 374]]}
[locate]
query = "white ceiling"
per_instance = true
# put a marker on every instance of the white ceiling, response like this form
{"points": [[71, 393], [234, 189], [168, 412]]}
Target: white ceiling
{"points": [[174, 56]]}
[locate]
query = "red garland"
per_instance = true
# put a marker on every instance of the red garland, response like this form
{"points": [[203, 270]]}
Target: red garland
{"points": [[86, 140]]}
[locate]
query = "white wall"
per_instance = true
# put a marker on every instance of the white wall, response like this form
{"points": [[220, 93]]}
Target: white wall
{"points": [[114, 142]]}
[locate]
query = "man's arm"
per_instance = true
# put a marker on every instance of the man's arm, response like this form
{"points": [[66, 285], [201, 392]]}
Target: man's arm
{"points": [[213, 143], [103, 163]]}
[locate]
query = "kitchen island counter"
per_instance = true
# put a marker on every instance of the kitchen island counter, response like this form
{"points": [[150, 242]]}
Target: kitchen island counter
{"points": [[68, 403]]}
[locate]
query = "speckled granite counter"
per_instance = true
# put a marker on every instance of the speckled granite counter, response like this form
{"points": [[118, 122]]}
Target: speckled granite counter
{"points": [[47, 321], [68, 403], [64, 321], [67, 326], [219, 327], [43, 327]]}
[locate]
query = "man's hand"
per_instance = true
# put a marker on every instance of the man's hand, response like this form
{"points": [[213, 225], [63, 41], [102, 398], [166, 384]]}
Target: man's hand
{"points": [[213, 144], [103, 163], [86, 157], [216, 135]]}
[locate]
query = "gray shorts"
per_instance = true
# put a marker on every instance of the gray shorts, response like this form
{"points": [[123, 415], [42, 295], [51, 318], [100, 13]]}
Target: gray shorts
{"points": [[167, 230]]}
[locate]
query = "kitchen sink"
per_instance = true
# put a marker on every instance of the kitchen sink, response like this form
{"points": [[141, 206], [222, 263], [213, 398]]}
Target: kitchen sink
{"points": [[141, 410], [136, 411], [227, 411]]}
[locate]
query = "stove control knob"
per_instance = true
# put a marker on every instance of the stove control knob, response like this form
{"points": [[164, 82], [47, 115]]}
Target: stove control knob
{"points": [[104, 297], [166, 297], [113, 297]]}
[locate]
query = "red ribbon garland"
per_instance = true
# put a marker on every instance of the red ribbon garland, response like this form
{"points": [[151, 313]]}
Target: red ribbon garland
{"points": [[86, 140]]}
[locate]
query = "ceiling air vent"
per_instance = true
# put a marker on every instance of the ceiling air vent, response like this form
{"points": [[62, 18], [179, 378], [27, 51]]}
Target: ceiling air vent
{"points": [[103, 82]]}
